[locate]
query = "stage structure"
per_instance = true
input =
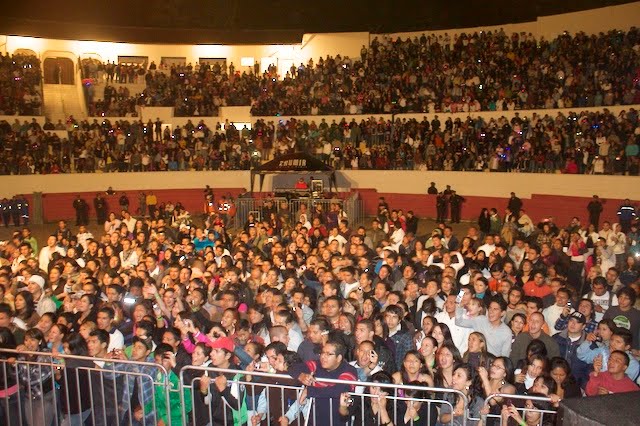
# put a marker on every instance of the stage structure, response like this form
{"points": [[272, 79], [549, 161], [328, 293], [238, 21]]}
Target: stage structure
{"points": [[296, 163]]}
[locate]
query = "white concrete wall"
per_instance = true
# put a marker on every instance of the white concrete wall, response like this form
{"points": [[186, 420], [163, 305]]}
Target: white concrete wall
{"points": [[92, 182], [399, 182], [592, 21]]}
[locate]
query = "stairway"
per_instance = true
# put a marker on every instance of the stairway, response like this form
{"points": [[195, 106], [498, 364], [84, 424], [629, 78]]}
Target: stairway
{"points": [[63, 100]]}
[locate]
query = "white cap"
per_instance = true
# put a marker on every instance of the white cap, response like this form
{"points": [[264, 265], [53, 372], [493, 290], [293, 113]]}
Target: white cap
{"points": [[38, 280]]}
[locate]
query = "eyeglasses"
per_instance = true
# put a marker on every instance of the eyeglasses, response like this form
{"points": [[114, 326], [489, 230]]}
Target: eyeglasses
{"points": [[327, 353]]}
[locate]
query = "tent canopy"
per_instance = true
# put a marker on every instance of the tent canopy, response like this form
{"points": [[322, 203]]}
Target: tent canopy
{"points": [[298, 162]]}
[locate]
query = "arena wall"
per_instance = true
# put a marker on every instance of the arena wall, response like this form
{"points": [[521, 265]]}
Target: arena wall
{"points": [[561, 196]]}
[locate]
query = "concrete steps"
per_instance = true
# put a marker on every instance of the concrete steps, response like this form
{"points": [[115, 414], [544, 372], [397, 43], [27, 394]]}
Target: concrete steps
{"points": [[63, 100]]}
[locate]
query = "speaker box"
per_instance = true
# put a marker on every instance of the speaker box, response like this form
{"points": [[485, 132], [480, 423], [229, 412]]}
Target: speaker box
{"points": [[621, 409]]}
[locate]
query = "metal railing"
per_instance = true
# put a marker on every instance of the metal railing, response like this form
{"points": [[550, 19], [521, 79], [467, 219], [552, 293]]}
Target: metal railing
{"points": [[352, 207], [254, 206], [501, 399], [266, 397], [40, 388]]}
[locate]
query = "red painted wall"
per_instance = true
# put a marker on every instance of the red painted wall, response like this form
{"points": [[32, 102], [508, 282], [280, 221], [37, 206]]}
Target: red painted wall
{"points": [[60, 206], [562, 208]]}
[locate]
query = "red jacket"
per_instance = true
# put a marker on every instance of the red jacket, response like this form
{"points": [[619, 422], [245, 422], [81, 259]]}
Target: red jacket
{"points": [[606, 380]]}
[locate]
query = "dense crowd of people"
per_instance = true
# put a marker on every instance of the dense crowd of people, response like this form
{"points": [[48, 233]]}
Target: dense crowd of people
{"points": [[20, 85], [541, 311], [483, 71], [192, 90], [121, 146], [581, 142], [576, 143]]}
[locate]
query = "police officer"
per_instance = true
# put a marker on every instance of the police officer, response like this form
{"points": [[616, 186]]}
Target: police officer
{"points": [[82, 211], [5, 211], [441, 207], [15, 210], [124, 202], [456, 206], [24, 209], [100, 204]]}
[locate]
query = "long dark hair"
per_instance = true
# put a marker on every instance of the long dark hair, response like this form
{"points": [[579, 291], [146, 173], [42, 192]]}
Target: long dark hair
{"points": [[76, 343], [446, 332], [475, 389], [508, 368], [36, 334], [558, 362], [423, 369], [29, 305], [263, 325]]}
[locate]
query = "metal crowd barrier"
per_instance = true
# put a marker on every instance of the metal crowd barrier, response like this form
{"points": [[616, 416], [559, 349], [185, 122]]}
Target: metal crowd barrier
{"points": [[246, 206], [352, 206], [39, 388], [496, 419], [276, 391], [42, 389]]}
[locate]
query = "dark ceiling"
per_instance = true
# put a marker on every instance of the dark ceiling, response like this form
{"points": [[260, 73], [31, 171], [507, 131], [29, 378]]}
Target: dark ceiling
{"points": [[265, 21]]}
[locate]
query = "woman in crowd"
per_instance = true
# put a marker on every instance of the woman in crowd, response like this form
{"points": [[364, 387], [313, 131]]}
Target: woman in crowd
{"points": [[465, 380], [26, 309], [369, 308], [477, 354], [535, 366], [517, 323], [37, 381], [413, 370], [55, 338], [86, 309], [567, 386], [370, 410], [260, 321], [525, 274], [199, 358], [446, 357], [428, 349], [498, 379], [74, 382], [428, 322], [442, 334]]}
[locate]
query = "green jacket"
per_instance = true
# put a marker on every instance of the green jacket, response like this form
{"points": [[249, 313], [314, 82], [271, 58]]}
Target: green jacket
{"points": [[174, 408]]}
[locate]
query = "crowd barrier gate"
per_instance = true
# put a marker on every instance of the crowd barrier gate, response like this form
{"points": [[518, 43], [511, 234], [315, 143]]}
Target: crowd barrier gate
{"points": [[505, 397], [288, 397], [41, 388]]}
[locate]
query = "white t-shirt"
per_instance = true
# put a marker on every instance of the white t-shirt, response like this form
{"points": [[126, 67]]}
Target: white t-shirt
{"points": [[116, 340], [603, 301]]}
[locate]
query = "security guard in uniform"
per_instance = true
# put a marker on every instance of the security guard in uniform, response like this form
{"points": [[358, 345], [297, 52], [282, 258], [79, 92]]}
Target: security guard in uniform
{"points": [[24, 209], [441, 207], [15, 210], [4, 210]]}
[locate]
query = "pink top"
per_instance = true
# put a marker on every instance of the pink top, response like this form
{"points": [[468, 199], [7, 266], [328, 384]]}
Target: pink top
{"points": [[189, 346]]}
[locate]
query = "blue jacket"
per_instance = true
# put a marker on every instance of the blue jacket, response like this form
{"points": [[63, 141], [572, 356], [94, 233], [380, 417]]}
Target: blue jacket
{"points": [[569, 351], [626, 213]]}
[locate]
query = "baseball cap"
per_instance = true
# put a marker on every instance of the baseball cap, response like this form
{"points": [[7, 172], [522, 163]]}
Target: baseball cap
{"points": [[225, 343], [578, 316], [38, 280]]}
